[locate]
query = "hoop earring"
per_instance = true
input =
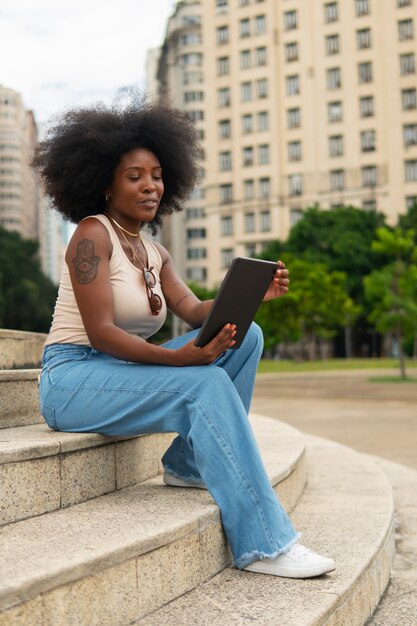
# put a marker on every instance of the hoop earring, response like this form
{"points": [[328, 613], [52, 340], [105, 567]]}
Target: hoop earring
{"points": [[107, 196]]}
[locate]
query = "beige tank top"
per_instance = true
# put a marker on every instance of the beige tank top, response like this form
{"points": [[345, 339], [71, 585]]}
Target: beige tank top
{"points": [[132, 312]]}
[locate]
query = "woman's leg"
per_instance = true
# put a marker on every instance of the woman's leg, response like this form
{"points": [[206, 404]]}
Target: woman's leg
{"points": [[96, 393], [241, 366]]}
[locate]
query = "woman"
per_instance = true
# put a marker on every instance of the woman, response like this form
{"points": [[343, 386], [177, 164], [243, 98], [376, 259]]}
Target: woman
{"points": [[114, 171]]}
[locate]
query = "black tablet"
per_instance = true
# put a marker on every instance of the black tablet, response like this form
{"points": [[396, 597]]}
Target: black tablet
{"points": [[238, 298]]}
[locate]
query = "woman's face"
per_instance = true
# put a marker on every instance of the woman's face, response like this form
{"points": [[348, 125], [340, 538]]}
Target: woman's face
{"points": [[137, 187]]}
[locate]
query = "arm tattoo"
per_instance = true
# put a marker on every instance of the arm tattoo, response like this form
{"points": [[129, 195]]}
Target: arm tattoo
{"points": [[183, 298], [85, 263]]}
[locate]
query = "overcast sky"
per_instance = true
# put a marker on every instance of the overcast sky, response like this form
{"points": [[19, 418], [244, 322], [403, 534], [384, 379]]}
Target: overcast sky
{"points": [[59, 54]]}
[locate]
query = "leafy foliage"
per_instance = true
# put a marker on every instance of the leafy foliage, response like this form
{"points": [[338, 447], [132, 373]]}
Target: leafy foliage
{"points": [[27, 296]]}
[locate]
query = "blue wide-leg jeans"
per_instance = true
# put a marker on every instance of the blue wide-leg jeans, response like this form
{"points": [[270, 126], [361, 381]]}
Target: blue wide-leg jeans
{"points": [[83, 390]]}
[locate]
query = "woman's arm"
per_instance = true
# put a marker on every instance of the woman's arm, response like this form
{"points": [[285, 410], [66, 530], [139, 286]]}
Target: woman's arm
{"points": [[179, 297], [88, 258]]}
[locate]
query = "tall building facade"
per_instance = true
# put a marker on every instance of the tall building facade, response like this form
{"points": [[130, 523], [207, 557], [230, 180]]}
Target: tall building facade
{"points": [[19, 190], [298, 103]]}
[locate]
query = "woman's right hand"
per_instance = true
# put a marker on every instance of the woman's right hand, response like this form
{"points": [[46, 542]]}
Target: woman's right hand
{"points": [[189, 354]]}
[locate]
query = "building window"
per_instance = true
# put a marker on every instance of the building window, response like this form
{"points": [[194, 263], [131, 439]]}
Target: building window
{"points": [[293, 85], [336, 145], [221, 6], [223, 66], [197, 274], [247, 156], [222, 35], [196, 116], [407, 64], [409, 99], [331, 13], [225, 161], [337, 180], [369, 176], [226, 193], [334, 111], [264, 156], [223, 97], [190, 39], [226, 225], [368, 141], [250, 250], [294, 150], [334, 78], [263, 121], [405, 29], [193, 96], [247, 123], [411, 171], [193, 58], [265, 187], [291, 51], [249, 223], [260, 56], [188, 78], [410, 134], [296, 215], [365, 72], [244, 3], [362, 7], [369, 205], [248, 189], [245, 59], [262, 88], [290, 20], [293, 118], [196, 253], [196, 233], [226, 257], [244, 28], [366, 106], [363, 38], [246, 92], [404, 3], [224, 129], [195, 213], [332, 44], [410, 201], [260, 24], [295, 184], [265, 221]]}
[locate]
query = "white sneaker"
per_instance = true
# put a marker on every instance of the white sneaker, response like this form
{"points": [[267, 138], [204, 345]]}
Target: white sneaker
{"points": [[297, 562], [173, 481]]}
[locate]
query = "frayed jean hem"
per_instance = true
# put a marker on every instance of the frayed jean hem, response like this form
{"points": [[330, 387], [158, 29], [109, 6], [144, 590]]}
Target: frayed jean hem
{"points": [[255, 555], [188, 479]]}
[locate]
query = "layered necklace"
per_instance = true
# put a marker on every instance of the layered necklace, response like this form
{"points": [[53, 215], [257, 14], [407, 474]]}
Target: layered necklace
{"points": [[155, 301]]}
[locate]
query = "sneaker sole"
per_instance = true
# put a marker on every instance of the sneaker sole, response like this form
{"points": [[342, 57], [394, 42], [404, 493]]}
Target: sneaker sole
{"points": [[312, 572], [173, 481]]}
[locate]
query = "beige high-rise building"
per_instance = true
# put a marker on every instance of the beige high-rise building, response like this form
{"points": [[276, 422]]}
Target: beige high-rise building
{"points": [[19, 190], [298, 102]]}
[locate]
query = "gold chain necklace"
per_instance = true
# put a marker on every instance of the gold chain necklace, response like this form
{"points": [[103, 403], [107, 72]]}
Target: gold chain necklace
{"points": [[135, 249], [121, 227]]}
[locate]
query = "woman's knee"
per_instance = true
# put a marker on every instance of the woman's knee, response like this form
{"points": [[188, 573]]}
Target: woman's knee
{"points": [[254, 338]]}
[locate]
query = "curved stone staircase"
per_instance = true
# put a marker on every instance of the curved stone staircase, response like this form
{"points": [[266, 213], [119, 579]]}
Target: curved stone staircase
{"points": [[90, 535]]}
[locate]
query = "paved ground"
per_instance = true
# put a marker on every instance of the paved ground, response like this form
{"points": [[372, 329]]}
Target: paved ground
{"points": [[373, 417], [379, 419]]}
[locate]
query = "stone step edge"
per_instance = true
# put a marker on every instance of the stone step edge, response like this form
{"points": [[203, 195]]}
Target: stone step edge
{"points": [[347, 596], [20, 348], [188, 514], [9, 375]]}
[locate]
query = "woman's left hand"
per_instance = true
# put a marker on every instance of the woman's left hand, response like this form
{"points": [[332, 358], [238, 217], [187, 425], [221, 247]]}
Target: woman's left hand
{"points": [[279, 285]]}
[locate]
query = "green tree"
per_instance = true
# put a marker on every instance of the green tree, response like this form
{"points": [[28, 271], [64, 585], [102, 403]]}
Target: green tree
{"points": [[315, 306], [27, 296], [392, 290]]}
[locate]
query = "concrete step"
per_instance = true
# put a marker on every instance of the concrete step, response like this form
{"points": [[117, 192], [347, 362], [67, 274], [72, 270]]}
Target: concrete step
{"points": [[110, 560], [20, 349], [346, 511], [19, 403], [42, 470]]}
